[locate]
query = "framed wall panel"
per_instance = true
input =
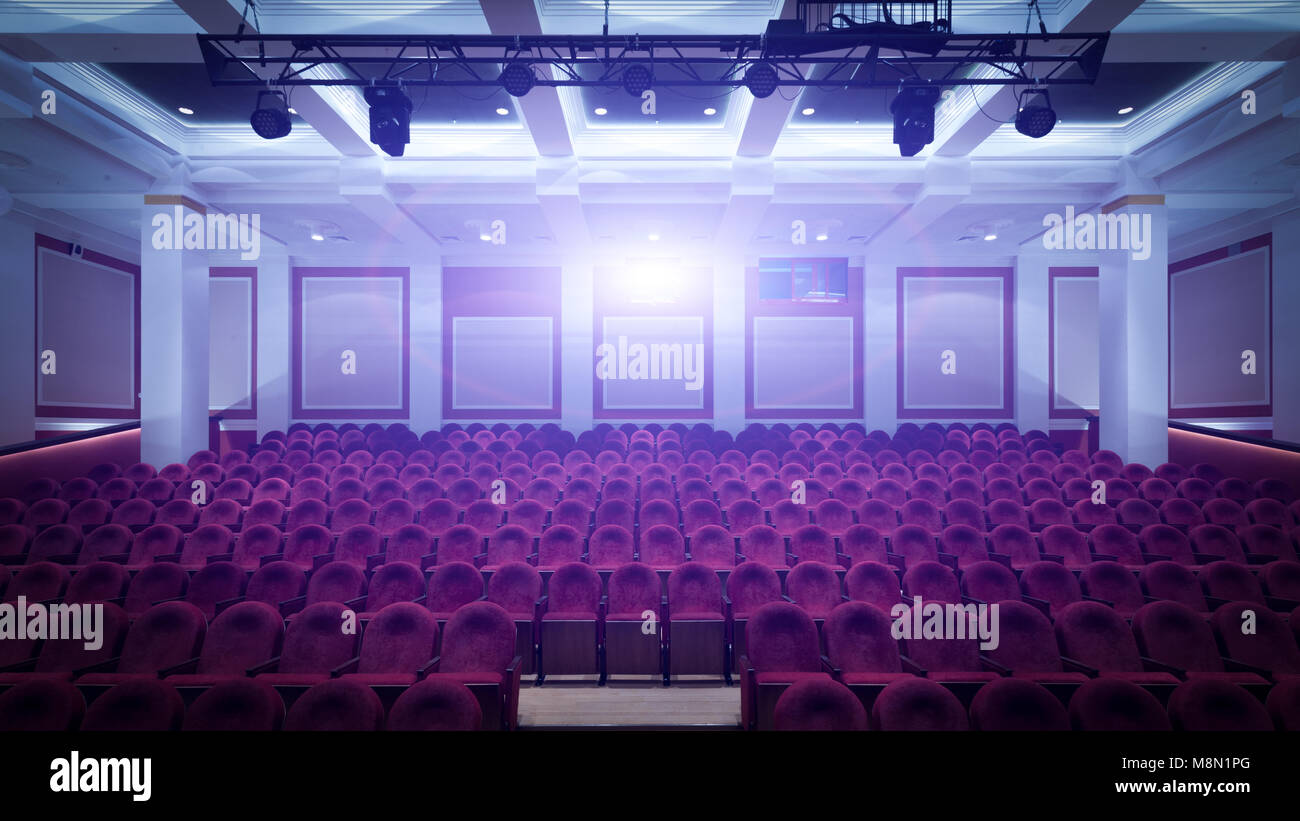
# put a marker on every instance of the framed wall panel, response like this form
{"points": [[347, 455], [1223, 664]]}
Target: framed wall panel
{"points": [[803, 339], [232, 342], [501, 343], [955, 343], [653, 326], [1074, 383], [350, 342], [1220, 315], [87, 334]]}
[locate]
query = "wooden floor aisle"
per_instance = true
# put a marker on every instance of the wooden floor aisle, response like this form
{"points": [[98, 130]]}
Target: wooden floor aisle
{"points": [[586, 707]]}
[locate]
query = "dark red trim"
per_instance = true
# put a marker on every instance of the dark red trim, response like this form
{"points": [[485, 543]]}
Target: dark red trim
{"points": [[69, 411]]}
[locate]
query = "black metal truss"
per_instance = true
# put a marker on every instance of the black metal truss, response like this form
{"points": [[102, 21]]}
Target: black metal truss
{"points": [[823, 59]]}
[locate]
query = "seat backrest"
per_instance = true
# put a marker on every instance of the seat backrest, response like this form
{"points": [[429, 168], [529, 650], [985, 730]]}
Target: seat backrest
{"points": [[781, 637]]}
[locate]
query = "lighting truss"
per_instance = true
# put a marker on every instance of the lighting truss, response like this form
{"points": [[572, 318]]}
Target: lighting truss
{"points": [[827, 59]]}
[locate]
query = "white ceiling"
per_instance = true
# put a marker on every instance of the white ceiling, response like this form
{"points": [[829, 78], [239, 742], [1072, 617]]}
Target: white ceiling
{"points": [[563, 181]]}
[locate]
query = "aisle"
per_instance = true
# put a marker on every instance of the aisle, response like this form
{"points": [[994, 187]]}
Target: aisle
{"points": [[557, 706]]}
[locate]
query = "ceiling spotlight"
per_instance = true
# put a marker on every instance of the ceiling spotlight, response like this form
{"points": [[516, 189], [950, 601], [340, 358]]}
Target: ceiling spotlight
{"points": [[809, 111], [270, 120], [390, 119], [518, 79], [637, 79], [709, 112], [913, 111], [485, 237], [822, 237], [601, 111], [293, 110], [990, 236], [1036, 119], [761, 79], [653, 237], [503, 111], [319, 237], [1128, 109], [186, 111]]}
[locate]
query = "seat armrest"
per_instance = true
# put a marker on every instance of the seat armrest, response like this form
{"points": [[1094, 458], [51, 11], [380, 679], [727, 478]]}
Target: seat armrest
{"points": [[291, 606], [910, 666], [265, 667], [994, 666], [1150, 665], [188, 666], [105, 666], [346, 667], [1079, 667]]}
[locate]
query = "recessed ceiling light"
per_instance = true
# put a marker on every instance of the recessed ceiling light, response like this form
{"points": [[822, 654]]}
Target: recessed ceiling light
{"points": [[185, 110], [503, 111], [1128, 109], [822, 237], [709, 112], [809, 111], [485, 237], [602, 111], [293, 110], [653, 237], [318, 236], [989, 237]]}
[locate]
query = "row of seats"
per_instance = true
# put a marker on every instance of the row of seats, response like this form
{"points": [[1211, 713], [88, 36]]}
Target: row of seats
{"points": [[595, 627], [1169, 650], [1006, 704], [237, 705], [1017, 705]]}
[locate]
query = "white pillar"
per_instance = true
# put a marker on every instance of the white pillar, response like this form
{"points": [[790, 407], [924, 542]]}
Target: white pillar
{"points": [[274, 374], [426, 343], [18, 362], [1286, 330], [1133, 327], [729, 341], [1033, 386], [880, 338], [577, 342], [173, 337]]}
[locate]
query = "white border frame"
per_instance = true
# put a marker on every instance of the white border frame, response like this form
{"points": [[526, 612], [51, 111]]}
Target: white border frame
{"points": [[550, 360], [302, 344], [852, 377]]}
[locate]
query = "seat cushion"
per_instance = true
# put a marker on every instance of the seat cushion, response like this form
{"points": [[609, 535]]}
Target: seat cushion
{"points": [[871, 678], [787, 678]]}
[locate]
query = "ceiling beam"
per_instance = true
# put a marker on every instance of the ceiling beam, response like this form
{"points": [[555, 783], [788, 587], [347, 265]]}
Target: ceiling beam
{"points": [[977, 121], [540, 108]]}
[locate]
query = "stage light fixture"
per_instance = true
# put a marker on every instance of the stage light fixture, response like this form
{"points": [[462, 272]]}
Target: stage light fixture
{"points": [[637, 79], [761, 79], [518, 79], [390, 119], [1036, 119], [913, 111], [270, 120]]}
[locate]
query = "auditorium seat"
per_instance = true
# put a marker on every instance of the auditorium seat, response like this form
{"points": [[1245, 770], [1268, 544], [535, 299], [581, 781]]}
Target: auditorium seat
{"points": [[1016, 705], [1203, 705], [236, 705], [818, 705], [1180, 638], [436, 705], [478, 651], [137, 705], [41, 705], [781, 649], [1115, 705], [337, 705], [917, 704]]}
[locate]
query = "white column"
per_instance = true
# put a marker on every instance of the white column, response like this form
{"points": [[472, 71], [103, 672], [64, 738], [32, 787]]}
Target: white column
{"points": [[880, 338], [1286, 329], [1133, 361], [18, 363], [577, 342], [729, 341], [173, 337], [274, 374], [426, 343], [1032, 392]]}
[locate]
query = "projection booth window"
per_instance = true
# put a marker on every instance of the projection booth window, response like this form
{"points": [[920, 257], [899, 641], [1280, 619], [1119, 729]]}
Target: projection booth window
{"points": [[803, 280]]}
